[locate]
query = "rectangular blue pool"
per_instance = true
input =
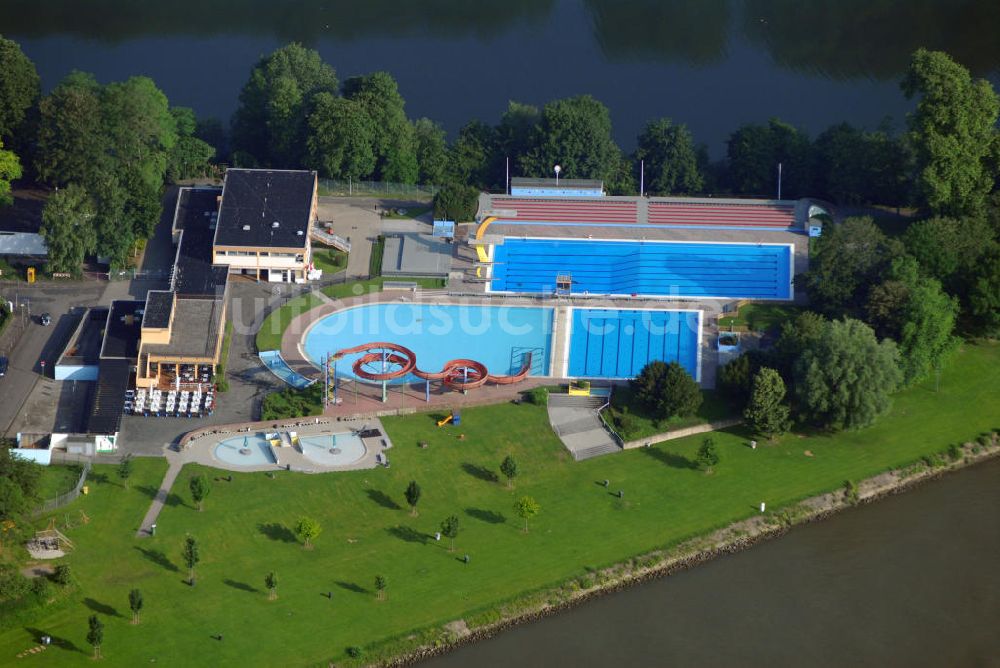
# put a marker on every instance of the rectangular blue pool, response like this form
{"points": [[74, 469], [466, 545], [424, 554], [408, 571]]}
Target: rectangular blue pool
{"points": [[611, 343], [662, 268]]}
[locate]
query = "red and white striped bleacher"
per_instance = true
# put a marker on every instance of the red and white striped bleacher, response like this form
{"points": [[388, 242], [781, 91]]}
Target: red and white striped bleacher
{"points": [[565, 210], [764, 214]]}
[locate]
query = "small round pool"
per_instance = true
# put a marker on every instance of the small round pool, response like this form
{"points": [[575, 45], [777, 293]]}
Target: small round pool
{"points": [[249, 450], [333, 449]]}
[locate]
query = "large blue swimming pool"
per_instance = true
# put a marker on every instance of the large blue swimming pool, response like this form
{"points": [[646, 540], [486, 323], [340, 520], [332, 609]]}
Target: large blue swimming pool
{"points": [[497, 336], [610, 343], [681, 269]]}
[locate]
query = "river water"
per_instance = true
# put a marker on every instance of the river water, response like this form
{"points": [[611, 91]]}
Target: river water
{"points": [[712, 64], [912, 580]]}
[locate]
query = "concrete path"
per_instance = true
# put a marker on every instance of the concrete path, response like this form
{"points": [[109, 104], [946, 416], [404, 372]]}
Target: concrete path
{"points": [[176, 464]]}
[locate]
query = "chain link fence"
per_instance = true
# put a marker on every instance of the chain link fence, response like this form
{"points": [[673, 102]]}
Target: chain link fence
{"points": [[351, 188], [65, 498]]}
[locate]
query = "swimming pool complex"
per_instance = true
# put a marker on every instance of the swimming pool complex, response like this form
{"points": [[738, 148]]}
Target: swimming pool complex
{"points": [[249, 450], [599, 343], [652, 268]]}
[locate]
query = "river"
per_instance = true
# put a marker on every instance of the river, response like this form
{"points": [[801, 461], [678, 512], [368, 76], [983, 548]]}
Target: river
{"points": [[712, 64], [911, 580]]}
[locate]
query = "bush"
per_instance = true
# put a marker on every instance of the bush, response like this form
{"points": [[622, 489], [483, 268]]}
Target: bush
{"points": [[851, 492], [63, 574], [954, 452], [292, 403], [41, 589], [456, 202], [538, 396], [624, 422], [667, 389], [354, 652]]}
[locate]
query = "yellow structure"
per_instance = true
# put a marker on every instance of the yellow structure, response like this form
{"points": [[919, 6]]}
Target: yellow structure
{"points": [[580, 388], [480, 232], [31, 274]]}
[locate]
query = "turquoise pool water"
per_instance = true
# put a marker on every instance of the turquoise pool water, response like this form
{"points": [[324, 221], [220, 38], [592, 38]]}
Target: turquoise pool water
{"points": [[333, 449], [497, 336], [610, 343], [682, 269], [276, 364], [259, 454]]}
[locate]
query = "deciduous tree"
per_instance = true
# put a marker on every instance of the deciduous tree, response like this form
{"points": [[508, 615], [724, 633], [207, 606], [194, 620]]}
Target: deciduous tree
{"points": [[667, 389], [526, 507], [413, 496], [766, 412], [449, 529], [200, 487], [708, 455], [95, 634], [509, 469], [754, 152], [68, 227], [307, 529], [10, 169], [431, 151], [19, 87], [135, 603], [380, 586], [671, 162], [271, 582], [191, 555], [125, 469]]}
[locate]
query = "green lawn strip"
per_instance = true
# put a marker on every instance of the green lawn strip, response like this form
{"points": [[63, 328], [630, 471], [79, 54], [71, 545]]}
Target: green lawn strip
{"points": [[411, 213], [760, 317], [57, 479], [713, 407], [330, 260], [358, 288], [367, 530], [375, 259], [269, 335], [220, 370]]}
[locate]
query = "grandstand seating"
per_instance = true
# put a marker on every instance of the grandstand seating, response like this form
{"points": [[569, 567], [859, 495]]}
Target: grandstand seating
{"points": [[721, 215], [564, 210]]}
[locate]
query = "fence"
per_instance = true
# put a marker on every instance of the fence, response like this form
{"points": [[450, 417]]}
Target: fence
{"points": [[350, 188], [63, 499]]}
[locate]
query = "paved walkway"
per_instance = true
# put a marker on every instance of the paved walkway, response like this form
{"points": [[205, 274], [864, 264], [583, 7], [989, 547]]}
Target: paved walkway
{"points": [[176, 464]]}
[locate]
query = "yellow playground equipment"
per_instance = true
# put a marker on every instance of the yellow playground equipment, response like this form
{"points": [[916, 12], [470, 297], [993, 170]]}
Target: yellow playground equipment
{"points": [[455, 418]]}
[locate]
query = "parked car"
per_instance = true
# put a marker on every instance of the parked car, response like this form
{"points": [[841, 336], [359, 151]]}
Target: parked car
{"points": [[46, 320], [3, 365]]}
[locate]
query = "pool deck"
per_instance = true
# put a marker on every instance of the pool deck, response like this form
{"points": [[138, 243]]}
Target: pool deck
{"points": [[199, 446]]}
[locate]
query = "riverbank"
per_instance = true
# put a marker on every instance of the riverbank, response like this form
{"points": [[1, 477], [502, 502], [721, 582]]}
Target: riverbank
{"points": [[734, 538]]}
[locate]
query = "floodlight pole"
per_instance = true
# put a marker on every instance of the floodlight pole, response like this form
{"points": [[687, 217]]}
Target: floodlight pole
{"points": [[557, 169], [642, 178], [508, 175], [779, 180]]}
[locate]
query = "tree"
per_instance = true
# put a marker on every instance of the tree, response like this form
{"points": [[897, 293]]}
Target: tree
{"points": [[766, 412], [708, 455], [190, 556], [269, 127], [849, 258], [449, 529], [526, 507], [574, 133], [393, 140], [474, 158], [271, 582], [125, 469], [380, 584], [71, 144], [413, 496], [667, 389], [509, 469], [190, 156], [456, 202], [431, 151], [845, 378], [308, 529], [341, 138], [10, 170], [135, 604], [517, 132], [859, 167], [200, 487], [19, 480], [984, 293], [944, 247], [19, 87], [953, 132], [68, 228], [754, 152], [735, 378], [671, 162], [95, 634]]}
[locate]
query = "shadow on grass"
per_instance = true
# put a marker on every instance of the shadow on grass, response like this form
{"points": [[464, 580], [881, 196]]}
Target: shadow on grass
{"points": [[409, 534], [382, 499], [480, 472], [172, 500], [100, 608], [671, 459], [488, 516], [92, 477], [158, 558], [242, 586], [351, 586], [61, 643], [277, 531]]}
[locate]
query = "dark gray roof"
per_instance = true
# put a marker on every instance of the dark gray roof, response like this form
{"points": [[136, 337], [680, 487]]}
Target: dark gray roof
{"points": [[195, 333], [121, 338], [193, 270], [159, 303], [109, 396], [265, 208]]}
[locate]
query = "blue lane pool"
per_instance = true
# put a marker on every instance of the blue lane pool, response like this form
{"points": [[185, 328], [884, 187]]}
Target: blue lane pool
{"points": [[497, 336], [732, 271], [607, 343]]}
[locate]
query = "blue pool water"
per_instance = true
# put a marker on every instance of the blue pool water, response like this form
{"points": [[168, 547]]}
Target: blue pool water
{"points": [[497, 336], [731, 271], [259, 455], [607, 343], [333, 449], [276, 364]]}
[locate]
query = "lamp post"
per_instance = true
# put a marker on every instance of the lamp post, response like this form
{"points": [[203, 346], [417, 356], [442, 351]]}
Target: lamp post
{"points": [[557, 169]]}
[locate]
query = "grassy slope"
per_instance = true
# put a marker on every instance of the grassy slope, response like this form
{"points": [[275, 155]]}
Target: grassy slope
{"points": [[357, 288], [269, 336], [57, 480], [330, 260], [713, 407], [580, 525]]}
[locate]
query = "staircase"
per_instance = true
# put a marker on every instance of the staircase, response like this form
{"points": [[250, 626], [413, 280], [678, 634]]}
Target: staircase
{"points": [[577, 422], [567, 401]]}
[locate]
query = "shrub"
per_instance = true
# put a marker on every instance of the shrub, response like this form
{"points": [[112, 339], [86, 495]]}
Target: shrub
{"points": [[63, 575], [851, 492], [292, 403], [41, 589], [624, 422], [354, 652], [954, 452], [667, 389], [538, 396]]}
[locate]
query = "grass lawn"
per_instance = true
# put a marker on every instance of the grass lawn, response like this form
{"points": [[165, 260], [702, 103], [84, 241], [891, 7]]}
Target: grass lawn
{"points": [[760, 317], [330, 260], [714, 407], [375, 259], [269, 336], [367, 531], [357, 288], [57, 479], [411, 213]]}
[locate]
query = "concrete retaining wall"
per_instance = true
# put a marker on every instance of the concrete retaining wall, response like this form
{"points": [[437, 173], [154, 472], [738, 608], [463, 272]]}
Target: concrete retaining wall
{"points": [[680, 433]]}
